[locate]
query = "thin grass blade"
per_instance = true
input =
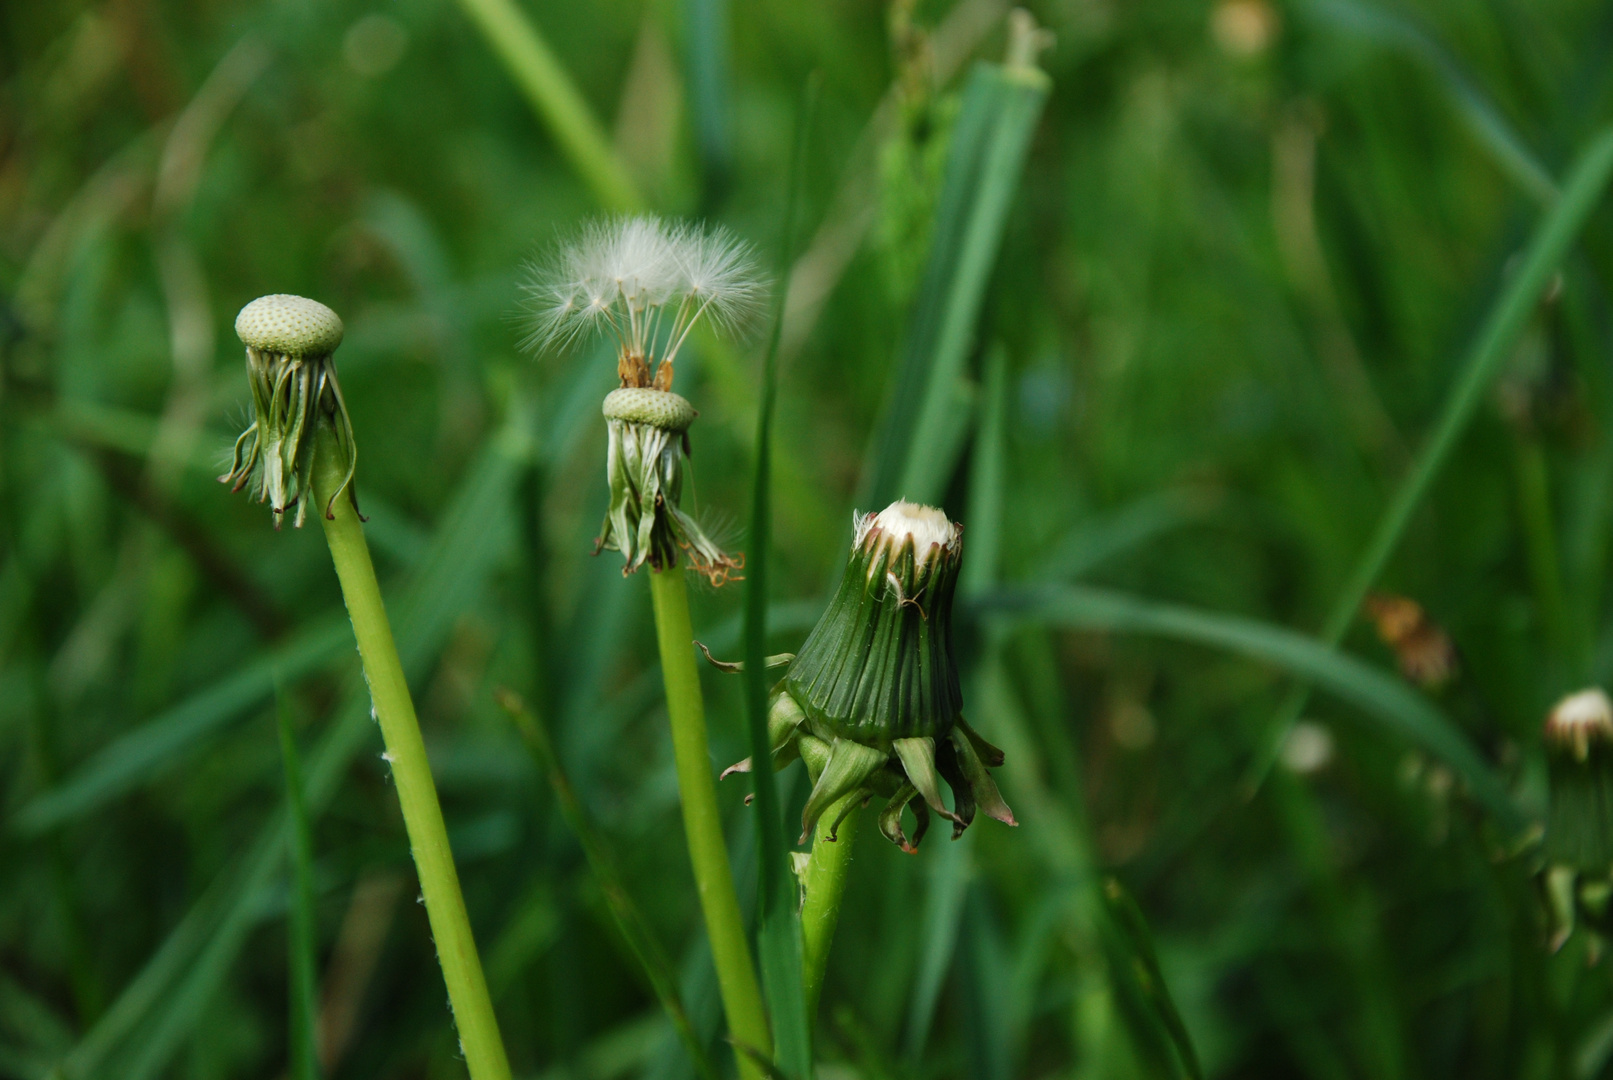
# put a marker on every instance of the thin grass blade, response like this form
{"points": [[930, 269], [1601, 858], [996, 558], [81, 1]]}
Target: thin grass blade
{"points": [[555, 98], [303, 1056], [1492, 130], [778, 934], [1506, 320], [629, 919]]}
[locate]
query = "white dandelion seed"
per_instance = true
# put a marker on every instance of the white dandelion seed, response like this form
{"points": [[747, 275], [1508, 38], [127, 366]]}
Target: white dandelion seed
{"points": [[645, 282]]}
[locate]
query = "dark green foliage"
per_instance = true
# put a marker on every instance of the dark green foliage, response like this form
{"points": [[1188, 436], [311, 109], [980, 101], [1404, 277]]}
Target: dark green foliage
{"points": [[1252, 256]]}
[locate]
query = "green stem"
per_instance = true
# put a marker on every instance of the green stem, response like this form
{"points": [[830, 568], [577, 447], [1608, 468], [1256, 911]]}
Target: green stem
{"points": [[411, 772], [702, 825], [825, 888]]}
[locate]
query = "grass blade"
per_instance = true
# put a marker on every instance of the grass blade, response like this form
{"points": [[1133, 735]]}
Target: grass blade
{"points": [[999, 113], [1109, 534], [132, 758], [162, 1004], [634, 927], [778, 935], [1505, 321], [942, 915], [556, 100], [1482, 118], [304, 1062], [921, 432], [950, 869], [1383, 697], [1137, 944]]}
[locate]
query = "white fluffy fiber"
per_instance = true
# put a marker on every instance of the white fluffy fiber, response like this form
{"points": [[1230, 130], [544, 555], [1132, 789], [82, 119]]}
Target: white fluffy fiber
{"points": [[645, 281]]}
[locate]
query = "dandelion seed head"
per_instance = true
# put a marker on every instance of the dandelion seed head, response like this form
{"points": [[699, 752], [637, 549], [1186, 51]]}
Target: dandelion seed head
{"points": [[645, 281], [720, 275]]}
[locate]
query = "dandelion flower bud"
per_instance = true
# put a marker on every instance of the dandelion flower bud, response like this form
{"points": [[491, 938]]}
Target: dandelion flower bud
{"points": [[647, 283], [872, 701], [295, 398], [1579, 749]]}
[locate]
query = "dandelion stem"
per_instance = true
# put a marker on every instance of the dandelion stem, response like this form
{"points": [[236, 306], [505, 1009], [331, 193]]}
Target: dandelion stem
{"points": [[411, 771], [702, 824], [825, 883]]}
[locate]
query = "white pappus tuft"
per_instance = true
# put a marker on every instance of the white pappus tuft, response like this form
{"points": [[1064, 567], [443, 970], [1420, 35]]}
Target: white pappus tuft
{"points": [[648, 283]]}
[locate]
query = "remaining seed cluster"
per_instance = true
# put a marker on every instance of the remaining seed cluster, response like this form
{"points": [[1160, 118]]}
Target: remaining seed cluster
{"points": [[295, 398], [647, 283]]}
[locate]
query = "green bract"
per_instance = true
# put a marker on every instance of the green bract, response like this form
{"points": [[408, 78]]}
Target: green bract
{"points": [[1579, 826], [872, 703], [649, 440], [295, 396]]}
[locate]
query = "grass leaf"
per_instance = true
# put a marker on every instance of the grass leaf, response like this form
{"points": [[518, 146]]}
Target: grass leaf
{"points": [[640, 936], [778, 911], [920, 434], [304, 1059], [1497, 335], [1382, 697]]}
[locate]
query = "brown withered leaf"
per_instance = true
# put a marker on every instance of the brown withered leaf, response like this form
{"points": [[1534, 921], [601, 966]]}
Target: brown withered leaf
{"points": [[1424, 651]]}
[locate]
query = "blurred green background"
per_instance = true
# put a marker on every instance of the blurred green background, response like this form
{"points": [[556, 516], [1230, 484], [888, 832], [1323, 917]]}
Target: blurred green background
{"points": [[1241, 275]]}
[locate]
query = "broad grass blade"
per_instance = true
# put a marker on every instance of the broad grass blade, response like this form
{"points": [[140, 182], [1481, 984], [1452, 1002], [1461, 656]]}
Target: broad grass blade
{"points": [[920, 435], [1382, 697], [130, 760]]}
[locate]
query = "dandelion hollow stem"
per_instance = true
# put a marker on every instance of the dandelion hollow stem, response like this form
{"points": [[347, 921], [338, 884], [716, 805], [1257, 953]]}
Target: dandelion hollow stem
{"points": [[824, 886], [411, 772], [702, 824]]}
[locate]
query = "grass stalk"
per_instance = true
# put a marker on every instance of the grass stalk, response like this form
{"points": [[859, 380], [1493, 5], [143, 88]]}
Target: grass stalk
{"points": [[304, 1061], [411, 772], [702, 825], [1506, 319], [635, 928], [547, 86], [1541, 547], [825, 888]]}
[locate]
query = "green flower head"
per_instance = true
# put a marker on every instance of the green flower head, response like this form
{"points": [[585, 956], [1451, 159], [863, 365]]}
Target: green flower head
{"points": [[647, 283], [295, 398], [872, 703]]}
